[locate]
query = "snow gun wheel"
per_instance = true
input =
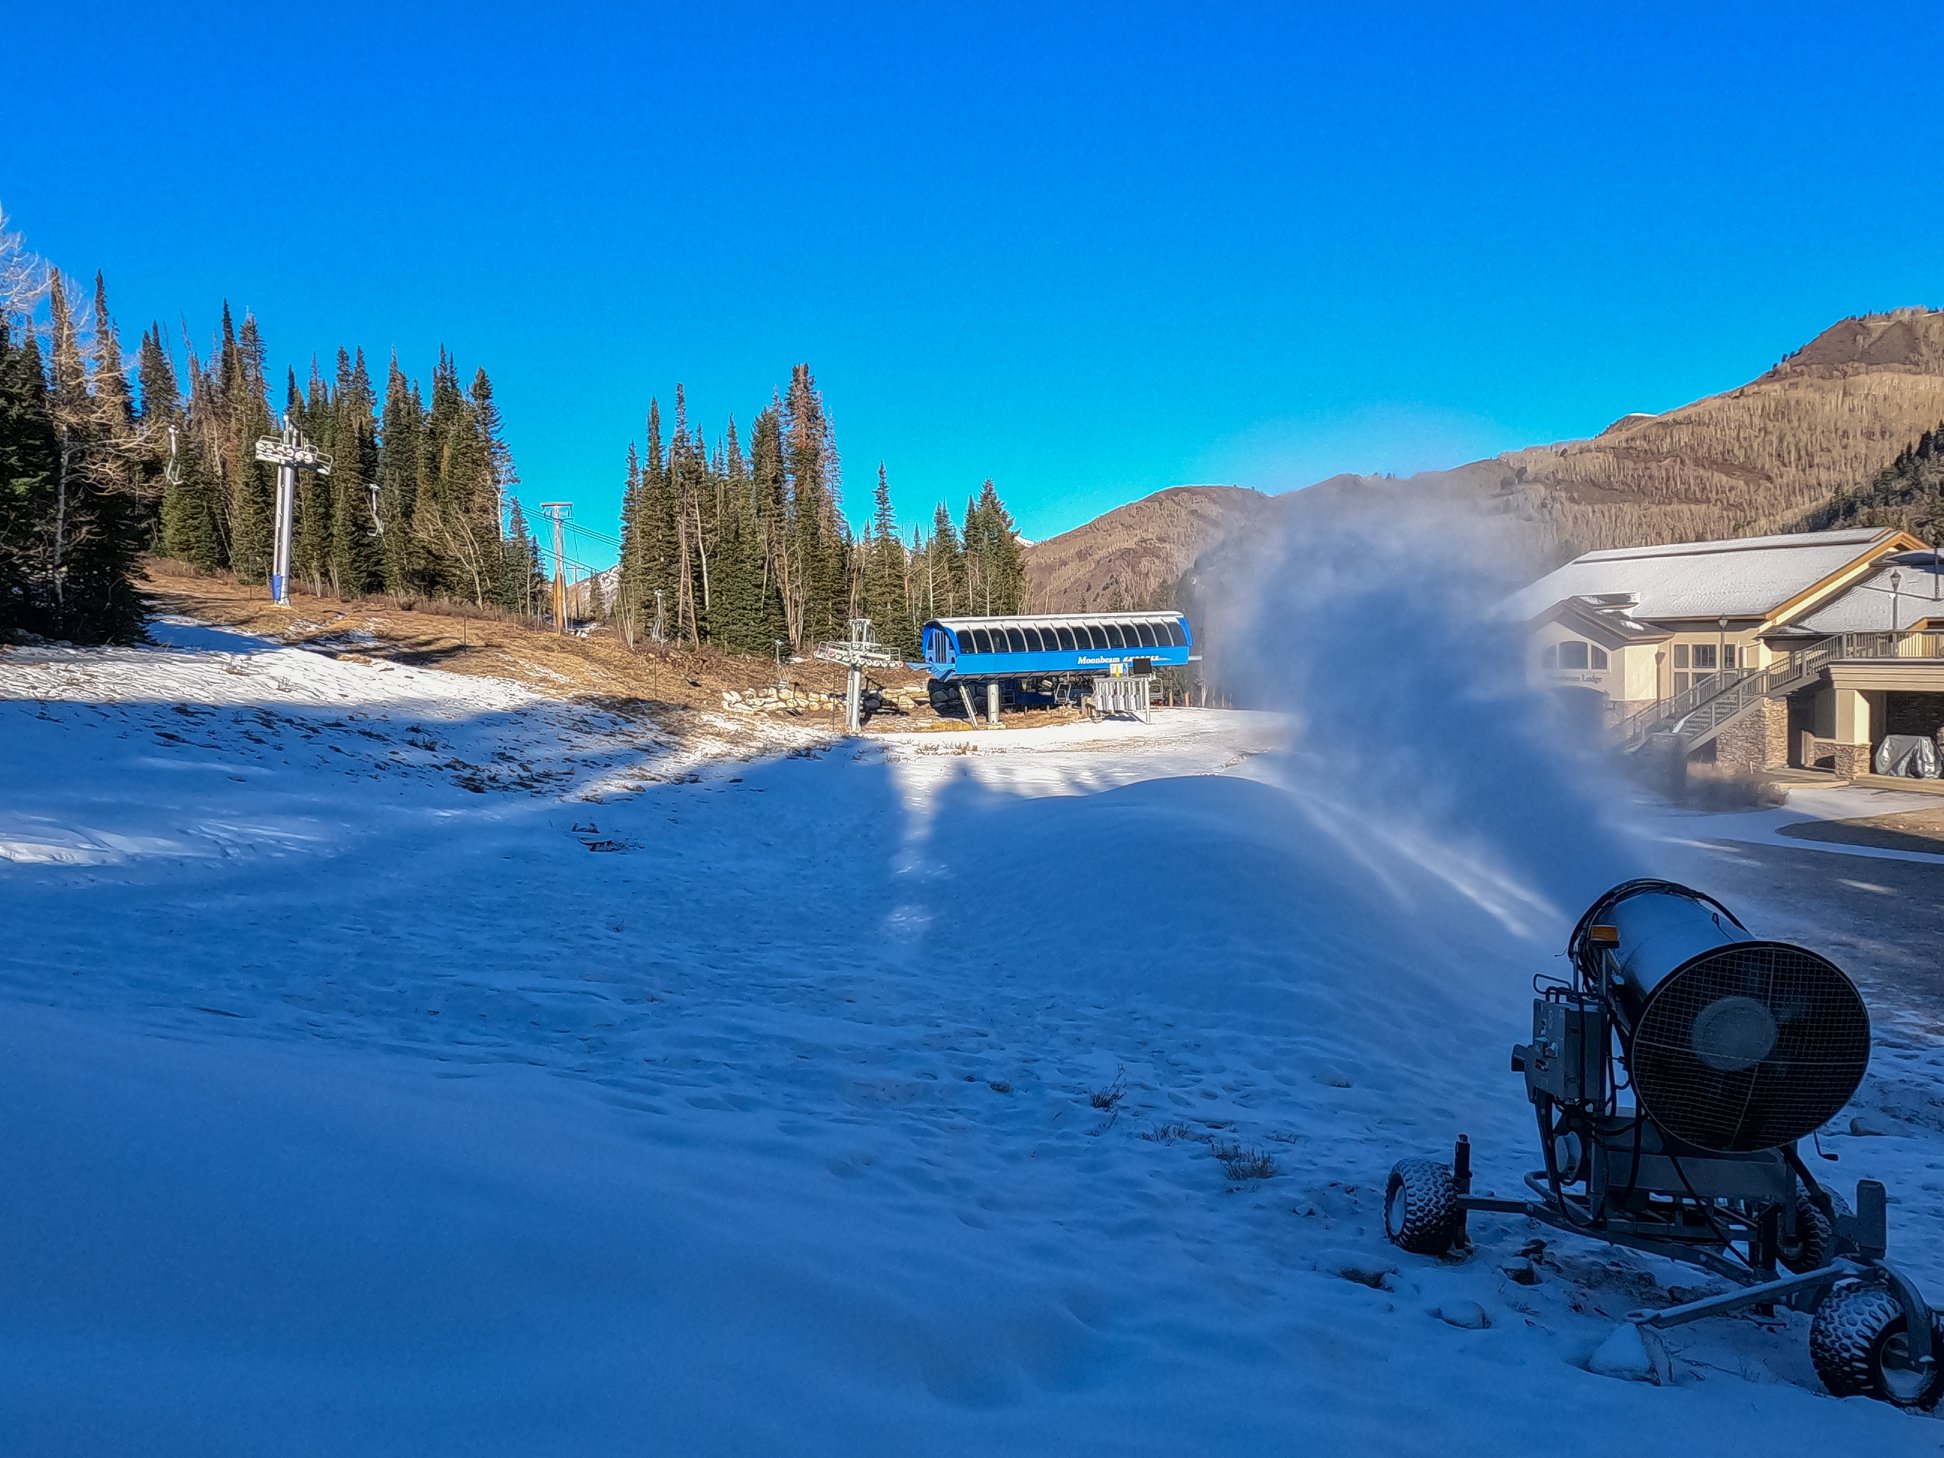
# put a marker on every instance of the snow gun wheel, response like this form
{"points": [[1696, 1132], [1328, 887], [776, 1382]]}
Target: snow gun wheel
{"points": [[1421, 1212], [1815, 1244], [1859, 1344]]}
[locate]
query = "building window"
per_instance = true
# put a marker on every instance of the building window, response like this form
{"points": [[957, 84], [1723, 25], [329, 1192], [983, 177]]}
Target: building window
{"points": [[1571, 655], [1065, 635]]}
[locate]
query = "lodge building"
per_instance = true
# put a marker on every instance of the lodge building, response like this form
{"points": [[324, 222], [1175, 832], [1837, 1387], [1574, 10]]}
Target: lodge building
{"points": [[1800, 651]]}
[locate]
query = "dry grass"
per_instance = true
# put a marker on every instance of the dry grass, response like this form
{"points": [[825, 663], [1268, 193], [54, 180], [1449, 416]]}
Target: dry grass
{"points": [[460, 638], [1711, 787], [1240, 1163]]}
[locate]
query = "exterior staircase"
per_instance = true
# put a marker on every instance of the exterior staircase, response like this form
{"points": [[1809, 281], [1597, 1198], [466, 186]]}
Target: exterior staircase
{"points": [[1700, 712]]}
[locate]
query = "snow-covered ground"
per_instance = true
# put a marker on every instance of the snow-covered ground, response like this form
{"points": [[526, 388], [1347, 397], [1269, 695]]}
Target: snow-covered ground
{"points": [[393, 1062]]}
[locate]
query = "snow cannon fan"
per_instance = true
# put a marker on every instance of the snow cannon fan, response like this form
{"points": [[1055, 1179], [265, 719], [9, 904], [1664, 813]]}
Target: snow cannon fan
{"points": [[1671, 1080], [1732, 1044]]}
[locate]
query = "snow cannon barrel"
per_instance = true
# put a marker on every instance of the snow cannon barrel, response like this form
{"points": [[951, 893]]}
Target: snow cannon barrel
{"points": [[1733, 1043]]}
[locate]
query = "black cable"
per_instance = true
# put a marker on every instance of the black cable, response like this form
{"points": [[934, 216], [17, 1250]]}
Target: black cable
{"points": [[1707, 1213], [1576, 943]]}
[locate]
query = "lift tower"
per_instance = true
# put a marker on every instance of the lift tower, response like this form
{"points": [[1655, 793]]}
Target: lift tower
{"points": [[287, 452], [859, 651]]}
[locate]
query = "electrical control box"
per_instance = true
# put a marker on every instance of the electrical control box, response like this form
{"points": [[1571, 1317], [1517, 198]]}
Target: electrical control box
{"points": [[1566, 1059]]}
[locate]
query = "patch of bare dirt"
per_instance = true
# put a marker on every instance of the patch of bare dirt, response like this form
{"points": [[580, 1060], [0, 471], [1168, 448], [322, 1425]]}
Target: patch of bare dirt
{"points": [[599, 668]]}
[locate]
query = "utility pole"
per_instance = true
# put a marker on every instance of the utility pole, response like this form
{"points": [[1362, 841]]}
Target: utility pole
{"points": [[288, 451], [557, 512]]}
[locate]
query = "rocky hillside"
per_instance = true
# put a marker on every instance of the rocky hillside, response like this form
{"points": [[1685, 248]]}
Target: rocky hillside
{"points": [[1135, 553]]}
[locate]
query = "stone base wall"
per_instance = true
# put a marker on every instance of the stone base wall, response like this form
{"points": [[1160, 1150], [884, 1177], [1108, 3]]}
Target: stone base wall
{"points": [[1847, 760], [1759, 740]]}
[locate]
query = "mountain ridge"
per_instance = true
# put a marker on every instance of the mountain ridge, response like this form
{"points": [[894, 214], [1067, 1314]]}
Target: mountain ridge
{"points": [[1762, 456]]}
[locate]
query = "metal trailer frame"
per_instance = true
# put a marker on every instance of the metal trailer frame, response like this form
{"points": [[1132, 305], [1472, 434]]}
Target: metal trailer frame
{"points": [[1864, 1234]]}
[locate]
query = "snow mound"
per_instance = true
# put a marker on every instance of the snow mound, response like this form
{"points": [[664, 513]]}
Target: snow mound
{"points": [[856, 1100]]}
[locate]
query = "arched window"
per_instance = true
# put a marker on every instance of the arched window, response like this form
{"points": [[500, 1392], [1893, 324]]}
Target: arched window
{"points": [[1572, 654], [981, 640], [1114, 639], [1598, 655], [1065, 635], [1015, 639]]}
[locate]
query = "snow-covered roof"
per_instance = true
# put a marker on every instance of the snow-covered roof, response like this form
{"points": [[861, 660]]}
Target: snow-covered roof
{"points": [[1869, 605], [1748, 578], [1607, 618]]}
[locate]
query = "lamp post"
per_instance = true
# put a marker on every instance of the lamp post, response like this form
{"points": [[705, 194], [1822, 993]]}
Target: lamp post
{"points": [[778, 642], [1721, 648], [1896, 588]]}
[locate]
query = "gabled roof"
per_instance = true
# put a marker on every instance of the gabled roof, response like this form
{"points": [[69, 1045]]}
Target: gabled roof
{"points": [[1753, 577], [1606, 620], [1869, 605]]}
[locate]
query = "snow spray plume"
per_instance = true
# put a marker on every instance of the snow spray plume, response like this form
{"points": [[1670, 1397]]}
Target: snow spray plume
{"points": [[1417, 744]]}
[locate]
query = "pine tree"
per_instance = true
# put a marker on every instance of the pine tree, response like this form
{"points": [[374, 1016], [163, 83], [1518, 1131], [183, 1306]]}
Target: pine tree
{"points": [[884, 576], [160, 428], [945, 587], [995, 571], [400, 448], [655, 550], [194, 520], [769, 488], [356, 554], [251, 492], [524, 589], [816, 535], [95, 531], [29, 463], [313, 413]]}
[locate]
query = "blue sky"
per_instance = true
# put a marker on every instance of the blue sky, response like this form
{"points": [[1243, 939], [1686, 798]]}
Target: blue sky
{"points": [[1086, 252]]}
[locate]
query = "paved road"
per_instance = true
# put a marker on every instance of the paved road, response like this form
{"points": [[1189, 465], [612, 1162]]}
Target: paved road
{"points": [[1880, 919]]}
